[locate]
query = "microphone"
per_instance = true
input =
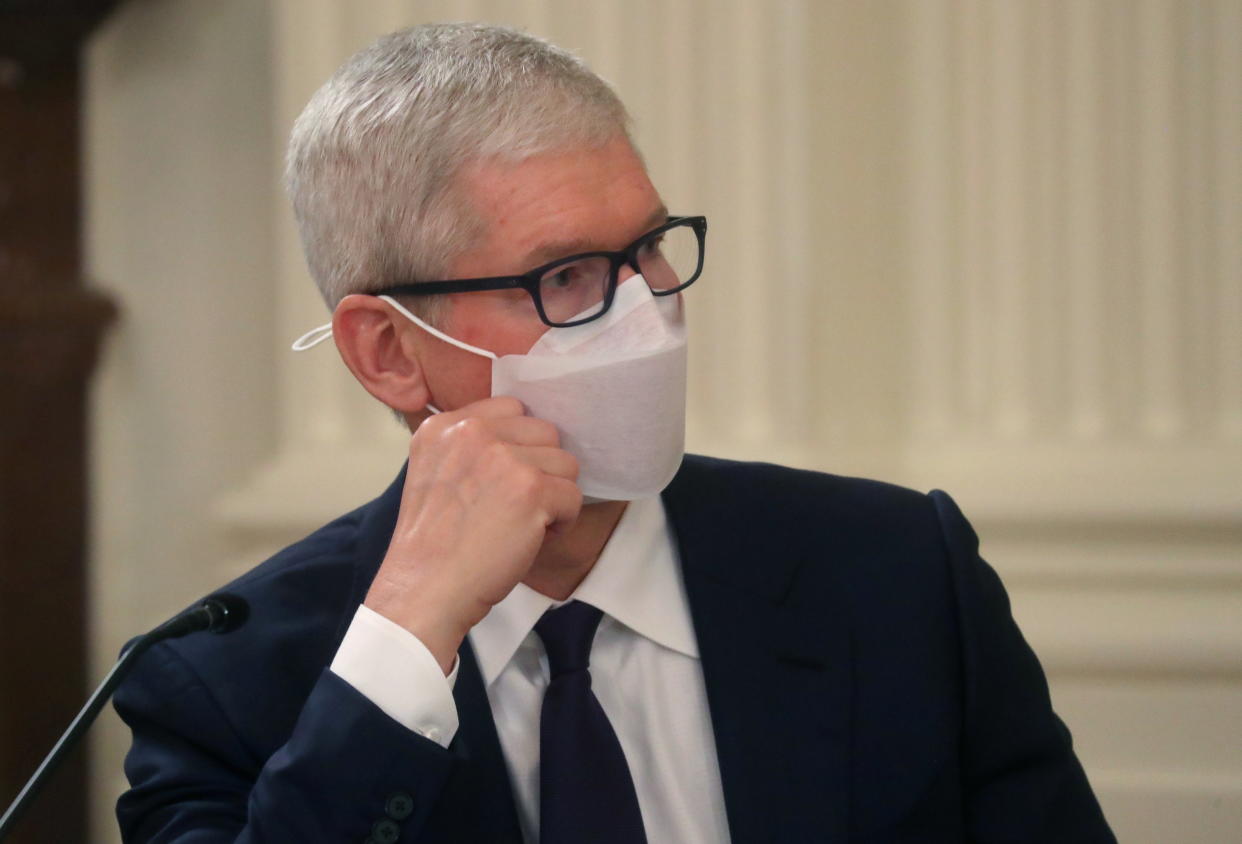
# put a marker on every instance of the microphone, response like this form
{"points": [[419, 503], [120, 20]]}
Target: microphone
{"points": [[219, 613]]}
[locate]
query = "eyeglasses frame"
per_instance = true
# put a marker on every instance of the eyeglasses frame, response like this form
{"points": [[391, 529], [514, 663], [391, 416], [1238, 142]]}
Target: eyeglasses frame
{"points": [[529, 281]]}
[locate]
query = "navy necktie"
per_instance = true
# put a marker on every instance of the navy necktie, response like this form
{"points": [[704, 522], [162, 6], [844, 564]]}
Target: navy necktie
{"points": [[585, 789]]}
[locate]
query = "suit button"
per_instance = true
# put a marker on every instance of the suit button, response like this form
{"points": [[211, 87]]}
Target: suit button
{"points": [[385, 832], [400, 806]]}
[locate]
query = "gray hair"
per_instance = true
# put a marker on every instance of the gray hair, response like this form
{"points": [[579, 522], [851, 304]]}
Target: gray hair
{"points": [[373, 157]]}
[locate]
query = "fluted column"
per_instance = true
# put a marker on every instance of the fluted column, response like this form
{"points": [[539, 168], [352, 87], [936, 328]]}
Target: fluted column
{"points": [[1076, 353], [1074, 229], [1224, 218]]}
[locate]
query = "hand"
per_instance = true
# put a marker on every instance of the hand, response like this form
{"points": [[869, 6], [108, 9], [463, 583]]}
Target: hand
{"points": [[485, 484]]}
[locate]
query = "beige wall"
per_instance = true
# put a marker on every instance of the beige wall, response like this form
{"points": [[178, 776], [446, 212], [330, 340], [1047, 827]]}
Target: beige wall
{"points": [[986, 246]]}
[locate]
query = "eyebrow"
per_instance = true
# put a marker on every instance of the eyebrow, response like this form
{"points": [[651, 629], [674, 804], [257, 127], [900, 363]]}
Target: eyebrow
{"points": [[552, 250]]}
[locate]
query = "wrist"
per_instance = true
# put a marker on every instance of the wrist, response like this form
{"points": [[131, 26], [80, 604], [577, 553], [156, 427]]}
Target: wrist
{"points": [[438, 622]]}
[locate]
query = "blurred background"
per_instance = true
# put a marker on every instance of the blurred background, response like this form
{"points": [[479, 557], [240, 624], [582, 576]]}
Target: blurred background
{"points": [[991, 246]]}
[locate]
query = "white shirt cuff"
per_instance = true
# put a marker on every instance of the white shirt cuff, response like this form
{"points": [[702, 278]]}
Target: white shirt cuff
{"points": [[395, 671]]}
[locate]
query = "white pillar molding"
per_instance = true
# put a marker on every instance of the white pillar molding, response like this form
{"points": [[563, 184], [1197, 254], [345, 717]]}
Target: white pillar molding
{"points": [[1070, 230], [338, 446], [1076, 332], [1013, 123], [304, 48], [1082, 285], [975, 236], [793, 315], [753, 257], [930, 148], [1226, 177], [1158, 231]]}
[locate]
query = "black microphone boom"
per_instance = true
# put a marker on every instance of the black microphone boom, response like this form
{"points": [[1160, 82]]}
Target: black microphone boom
{"points": [[220, 613]]}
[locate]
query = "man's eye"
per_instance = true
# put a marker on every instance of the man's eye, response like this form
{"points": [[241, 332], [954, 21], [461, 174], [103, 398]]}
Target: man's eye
{"points": [[562, 278], [565, 277], [651, 247]]}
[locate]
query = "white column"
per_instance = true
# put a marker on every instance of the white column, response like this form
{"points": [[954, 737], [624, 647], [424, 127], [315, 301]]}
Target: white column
{"points": [[307, 46], [604, 44], [1158, 229], [1047, 289], [975, 235], [1083, 284], [1009, 332], [1226, 105], [932, 145], [1074, 222], [790, 312], [755, 248]]}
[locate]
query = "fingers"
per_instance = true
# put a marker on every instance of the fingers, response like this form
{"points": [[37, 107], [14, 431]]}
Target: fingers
{"points": [[493, 454], [549, 460], [470, 420], [501, 418], [519, 430], [486, 484], [563, 503], [493, 408]]}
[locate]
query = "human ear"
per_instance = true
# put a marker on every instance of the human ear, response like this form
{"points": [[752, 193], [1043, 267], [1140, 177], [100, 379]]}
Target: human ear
{"points": [[373, 343]]}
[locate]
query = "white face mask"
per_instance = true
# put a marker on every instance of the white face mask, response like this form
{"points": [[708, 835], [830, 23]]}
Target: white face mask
{"points": [[615, 388]]}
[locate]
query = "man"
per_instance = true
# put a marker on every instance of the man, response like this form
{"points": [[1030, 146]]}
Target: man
{"points": [[533, 634]]}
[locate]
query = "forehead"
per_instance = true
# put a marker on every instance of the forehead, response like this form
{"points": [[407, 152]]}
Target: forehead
{"points": [[566, 201]]}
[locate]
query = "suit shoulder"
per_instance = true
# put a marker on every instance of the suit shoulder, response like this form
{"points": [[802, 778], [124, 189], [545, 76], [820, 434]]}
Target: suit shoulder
{"points": [[327, 553], [301, 601], [338, 549], [301, 587], [854, 535], [782, 488], [252, 683]]}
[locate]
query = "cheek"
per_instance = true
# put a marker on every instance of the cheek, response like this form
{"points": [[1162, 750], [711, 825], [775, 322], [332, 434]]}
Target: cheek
{"points": [[502, 329], [460, 377], [457, 378], [473, 380]]}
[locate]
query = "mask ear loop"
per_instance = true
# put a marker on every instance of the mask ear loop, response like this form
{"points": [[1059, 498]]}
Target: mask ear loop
{"points": [[435, 332], [312, 338], [320, 333], [438, 334]]}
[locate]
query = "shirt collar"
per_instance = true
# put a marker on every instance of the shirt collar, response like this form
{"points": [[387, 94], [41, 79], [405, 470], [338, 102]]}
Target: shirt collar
{"points": [[636, 581]]}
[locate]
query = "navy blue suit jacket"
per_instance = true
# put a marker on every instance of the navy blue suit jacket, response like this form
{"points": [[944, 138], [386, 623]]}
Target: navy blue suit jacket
{"points": [[865, 680]]}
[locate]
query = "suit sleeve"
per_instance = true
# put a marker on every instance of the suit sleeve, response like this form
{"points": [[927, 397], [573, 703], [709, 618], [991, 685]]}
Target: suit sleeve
{"points": [[347, 771], [1022, 781]]}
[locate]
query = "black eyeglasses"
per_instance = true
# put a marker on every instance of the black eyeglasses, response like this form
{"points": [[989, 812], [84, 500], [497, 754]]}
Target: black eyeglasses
{"points": [[580, 288]]}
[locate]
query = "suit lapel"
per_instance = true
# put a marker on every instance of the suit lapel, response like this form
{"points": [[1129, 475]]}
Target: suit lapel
{"points": [[777, 676]]}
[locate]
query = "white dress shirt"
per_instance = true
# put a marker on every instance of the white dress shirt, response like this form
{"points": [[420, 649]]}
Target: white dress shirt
{"points": [[645, 671]]}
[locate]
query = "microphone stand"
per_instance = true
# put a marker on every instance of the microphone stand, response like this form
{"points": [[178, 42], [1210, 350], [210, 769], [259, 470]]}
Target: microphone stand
{"points": [[220, 613], [80, 724]]}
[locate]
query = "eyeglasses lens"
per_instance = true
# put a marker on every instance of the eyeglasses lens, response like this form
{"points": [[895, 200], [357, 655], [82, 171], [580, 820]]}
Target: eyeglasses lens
{"points": [[576, 290], [669, 259]]}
